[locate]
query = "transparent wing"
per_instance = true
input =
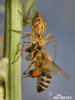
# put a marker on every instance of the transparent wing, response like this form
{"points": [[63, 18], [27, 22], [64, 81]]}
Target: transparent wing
{"points": [[55, 69], [51, 38]]}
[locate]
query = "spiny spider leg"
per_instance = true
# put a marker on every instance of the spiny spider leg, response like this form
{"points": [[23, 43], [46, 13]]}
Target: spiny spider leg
{"points": [[21, 52], [18, 57], [23, 15], [26, 34], [21, 46]]}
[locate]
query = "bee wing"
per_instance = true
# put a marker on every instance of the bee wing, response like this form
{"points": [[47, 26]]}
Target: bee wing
{"points": [[51, 38], [55, 69]]}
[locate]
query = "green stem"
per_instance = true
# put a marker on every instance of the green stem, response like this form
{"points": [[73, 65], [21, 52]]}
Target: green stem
{"points": [[11, 40]]}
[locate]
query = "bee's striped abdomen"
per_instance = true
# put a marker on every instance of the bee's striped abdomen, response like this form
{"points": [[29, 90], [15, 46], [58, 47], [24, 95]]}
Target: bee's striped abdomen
{"points": [[43, 81]]}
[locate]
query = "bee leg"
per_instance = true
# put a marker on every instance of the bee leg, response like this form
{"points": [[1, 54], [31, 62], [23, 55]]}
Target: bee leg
{"points": [[30, 56], [29, 67], [26, 75], [27, 57], [26, 71]]}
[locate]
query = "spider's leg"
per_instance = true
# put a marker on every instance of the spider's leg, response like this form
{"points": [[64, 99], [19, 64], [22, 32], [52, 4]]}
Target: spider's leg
{"points": [[22, 50]]}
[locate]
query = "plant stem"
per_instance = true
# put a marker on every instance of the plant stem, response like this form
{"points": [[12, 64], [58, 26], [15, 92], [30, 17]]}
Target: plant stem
{"points": [[11, 40]]}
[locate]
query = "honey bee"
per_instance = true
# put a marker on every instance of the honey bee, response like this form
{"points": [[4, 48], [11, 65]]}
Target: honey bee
{"points": [[44, 80], [44, 70], [40, 60], [44, 75]]}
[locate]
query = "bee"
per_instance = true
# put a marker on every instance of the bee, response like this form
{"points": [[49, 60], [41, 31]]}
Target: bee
{"points": [[40, 60], [44, 70], [44, 80], [44, 75]]}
